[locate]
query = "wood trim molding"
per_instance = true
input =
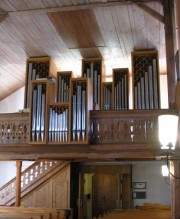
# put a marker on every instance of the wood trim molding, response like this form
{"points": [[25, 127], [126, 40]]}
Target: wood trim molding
{"points": [[75, 7], [151, 12]]}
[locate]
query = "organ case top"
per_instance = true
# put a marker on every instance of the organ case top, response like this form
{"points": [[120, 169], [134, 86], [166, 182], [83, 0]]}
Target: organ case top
{"points": [[94, 68], [106, 96], [145, 71], [63, 86], [38, 68], [120, 88]]}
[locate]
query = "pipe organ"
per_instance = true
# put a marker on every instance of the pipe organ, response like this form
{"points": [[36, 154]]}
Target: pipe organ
{"points": [[40, 96], [146, 80], [59, 111], [81, 103], [37, 68], [120, 89], [63, 86], [92, 68], [106, 96], [58, 123]]}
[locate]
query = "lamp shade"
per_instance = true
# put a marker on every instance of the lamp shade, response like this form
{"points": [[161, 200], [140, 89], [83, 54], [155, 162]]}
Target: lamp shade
{"points": [[165, 171], [168, 126]]}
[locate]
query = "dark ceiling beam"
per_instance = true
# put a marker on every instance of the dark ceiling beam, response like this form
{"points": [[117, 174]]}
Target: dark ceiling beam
{"points": [[151, 12], [77, 7], [3, 16], [168, 7]]}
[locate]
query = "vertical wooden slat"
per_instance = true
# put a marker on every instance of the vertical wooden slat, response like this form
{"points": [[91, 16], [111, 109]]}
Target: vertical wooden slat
{"points": [[169, 39], [18, 183]]}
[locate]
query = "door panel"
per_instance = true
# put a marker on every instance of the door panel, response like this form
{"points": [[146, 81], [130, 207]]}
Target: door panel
{"points": [[105, 193]]}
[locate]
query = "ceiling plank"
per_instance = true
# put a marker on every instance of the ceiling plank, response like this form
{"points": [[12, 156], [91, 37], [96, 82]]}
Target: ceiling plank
{"points": [[151, 12], [75, 7], [77, 32]]}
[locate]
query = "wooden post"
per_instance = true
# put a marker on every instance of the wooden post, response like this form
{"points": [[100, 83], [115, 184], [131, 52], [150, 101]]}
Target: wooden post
{"points": [[178, 27], [168, 6], [175, 188], [18, 183]]}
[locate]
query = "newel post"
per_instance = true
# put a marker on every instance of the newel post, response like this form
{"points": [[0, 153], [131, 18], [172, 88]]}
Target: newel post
{"points": [[18, 183]]}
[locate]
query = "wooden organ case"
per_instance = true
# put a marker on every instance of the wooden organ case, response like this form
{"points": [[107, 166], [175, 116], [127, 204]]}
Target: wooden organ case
{"points": [[94, 69], [145, 80], [120, 88], [37, 68]]}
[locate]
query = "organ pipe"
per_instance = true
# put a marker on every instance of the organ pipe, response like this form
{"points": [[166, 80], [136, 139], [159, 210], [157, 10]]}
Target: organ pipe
{"points": [[92, 70], [120, 88], [79, 112], [38, 112], [58, 124], [146, 73]]}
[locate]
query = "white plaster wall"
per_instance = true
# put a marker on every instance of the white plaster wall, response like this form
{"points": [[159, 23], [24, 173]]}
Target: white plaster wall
{"points": [[13, 103], [8, 170], [157, 190]]}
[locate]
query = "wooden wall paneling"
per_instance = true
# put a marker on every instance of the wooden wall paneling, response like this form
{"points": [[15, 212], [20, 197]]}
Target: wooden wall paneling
{"points": [[50, 193], [79, 119], [60, 194]]}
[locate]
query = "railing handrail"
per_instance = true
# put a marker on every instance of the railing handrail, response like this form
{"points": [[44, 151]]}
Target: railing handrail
{"points": [[130, 113]]}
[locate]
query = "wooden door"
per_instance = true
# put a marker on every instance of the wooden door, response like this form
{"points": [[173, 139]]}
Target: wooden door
{"points": [[105, 193], [126, 191], [80, 196]]}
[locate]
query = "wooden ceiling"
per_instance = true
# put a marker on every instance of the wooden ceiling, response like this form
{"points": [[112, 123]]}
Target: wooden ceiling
{"points": [[70, 30]]}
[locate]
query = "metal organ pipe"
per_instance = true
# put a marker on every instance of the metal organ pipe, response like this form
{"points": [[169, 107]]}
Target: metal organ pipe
{"points": [[151, 93], [155, 85]]}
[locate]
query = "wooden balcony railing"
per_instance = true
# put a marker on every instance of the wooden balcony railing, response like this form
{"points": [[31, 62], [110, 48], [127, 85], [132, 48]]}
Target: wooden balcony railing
{"points": [[106, 127], [14, 128], [125, 126]]}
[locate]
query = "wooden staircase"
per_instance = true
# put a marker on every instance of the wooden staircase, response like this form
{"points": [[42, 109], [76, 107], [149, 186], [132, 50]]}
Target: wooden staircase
{"points": [[31, 178]]}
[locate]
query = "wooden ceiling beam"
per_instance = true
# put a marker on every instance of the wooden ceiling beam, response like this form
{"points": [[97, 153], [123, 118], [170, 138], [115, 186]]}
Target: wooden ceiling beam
{"points": [[3, 16], [76, 7], [151, 12]]}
